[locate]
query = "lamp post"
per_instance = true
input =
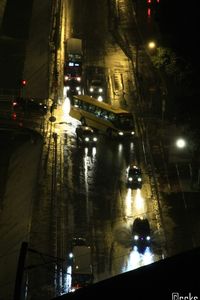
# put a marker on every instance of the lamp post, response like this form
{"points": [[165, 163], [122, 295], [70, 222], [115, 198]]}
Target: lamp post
{"points": [[182, 145]]}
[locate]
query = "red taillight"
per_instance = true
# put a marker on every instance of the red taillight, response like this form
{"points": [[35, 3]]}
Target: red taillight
{"points": [[23, 82], [14, 116]]}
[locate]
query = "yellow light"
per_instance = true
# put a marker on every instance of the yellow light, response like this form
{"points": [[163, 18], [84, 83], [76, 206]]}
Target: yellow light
{"points": [[66, 106], [139, 203], [128, 204], [152, 45]]}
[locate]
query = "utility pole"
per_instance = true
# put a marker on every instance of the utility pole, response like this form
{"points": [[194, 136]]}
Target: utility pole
{"points": [[20, 271], [19, 291]]}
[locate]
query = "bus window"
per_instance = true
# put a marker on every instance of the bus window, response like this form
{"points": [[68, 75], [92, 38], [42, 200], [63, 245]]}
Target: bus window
{"points": [[85, 106], [97, 112], [104, 114], [111, 116], [76, 102], [91, 108]]}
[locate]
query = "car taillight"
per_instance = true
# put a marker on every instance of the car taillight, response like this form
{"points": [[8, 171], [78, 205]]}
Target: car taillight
{"points": [[14, 116]]}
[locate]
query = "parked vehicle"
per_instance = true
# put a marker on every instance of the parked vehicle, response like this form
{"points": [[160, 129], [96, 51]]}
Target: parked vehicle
{"points": [[28, 105]]}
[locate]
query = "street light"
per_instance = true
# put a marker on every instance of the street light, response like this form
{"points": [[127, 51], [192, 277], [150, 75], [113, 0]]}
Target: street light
{"points": [[181, 143], [152, 48], [151, 45], [185, 154]]}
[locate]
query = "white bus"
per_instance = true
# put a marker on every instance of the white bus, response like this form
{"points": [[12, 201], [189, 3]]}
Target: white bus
{"points": [[102, 116]]}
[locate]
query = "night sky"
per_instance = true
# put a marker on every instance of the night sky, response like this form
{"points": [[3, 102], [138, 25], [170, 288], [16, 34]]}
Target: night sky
{"points": [[179, 23], [17, 18]]}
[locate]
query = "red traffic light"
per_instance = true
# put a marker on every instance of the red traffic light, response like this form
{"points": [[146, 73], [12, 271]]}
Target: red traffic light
{"points": [[23, 82]]}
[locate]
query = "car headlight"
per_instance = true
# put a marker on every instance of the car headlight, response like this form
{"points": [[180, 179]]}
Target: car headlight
{"points": [[78, 88], [94, 139], [139, 179], [68, 88], [87, 139], [78, 79], [100, 90], [120, 133], [130, 179], [136, 237], [132, 132], [148, 238], [91, 89]]}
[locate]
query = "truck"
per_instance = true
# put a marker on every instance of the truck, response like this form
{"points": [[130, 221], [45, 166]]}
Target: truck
{"points": [[73, 60], [82, 273]]}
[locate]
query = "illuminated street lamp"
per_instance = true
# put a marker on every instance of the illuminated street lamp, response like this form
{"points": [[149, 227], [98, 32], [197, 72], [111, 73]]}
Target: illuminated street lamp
{"points": [[182, 157], [184, 148], [180, 143], [151, 45]]}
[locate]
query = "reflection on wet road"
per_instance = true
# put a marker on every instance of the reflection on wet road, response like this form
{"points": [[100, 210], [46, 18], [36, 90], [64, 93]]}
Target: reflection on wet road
{"points": [[99, 206]]}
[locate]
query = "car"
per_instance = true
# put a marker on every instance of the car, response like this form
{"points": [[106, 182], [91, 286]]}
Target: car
{"points": [[79, 241], [96, 89], [28, 105], [86, 135], [134, 177], [73, 88], [141, 233]]}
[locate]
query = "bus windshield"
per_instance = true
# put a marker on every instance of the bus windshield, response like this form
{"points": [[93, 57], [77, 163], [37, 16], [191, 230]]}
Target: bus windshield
{"points": [[124, 121]]}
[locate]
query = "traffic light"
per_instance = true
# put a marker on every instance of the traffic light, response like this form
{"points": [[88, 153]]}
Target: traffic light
{"points": [[23, 82]]}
